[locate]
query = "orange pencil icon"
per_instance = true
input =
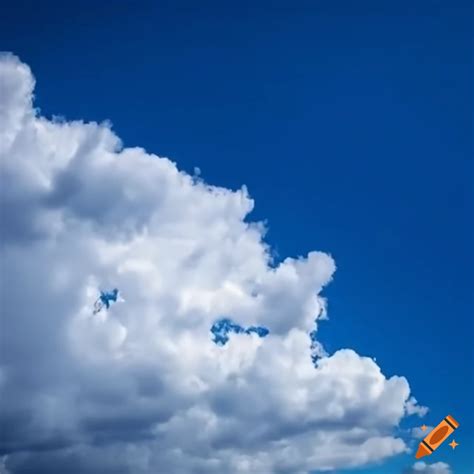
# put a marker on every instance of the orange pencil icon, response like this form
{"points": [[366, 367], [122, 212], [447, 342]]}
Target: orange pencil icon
{"points": [[436, 437]]}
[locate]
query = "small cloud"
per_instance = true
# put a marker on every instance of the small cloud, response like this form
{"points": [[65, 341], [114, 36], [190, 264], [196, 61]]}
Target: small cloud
{"points": [[418, 433], [412, 408], [421, 467]]}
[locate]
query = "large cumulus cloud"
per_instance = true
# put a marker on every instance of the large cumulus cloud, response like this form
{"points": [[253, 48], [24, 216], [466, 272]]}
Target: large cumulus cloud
{"points": [[142, 388]]}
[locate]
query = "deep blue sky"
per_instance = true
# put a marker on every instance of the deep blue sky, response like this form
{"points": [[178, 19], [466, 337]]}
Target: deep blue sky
{"points": [[349, 122]]}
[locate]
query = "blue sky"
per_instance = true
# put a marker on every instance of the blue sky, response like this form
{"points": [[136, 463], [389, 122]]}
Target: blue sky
{"points": [[349, 122]]}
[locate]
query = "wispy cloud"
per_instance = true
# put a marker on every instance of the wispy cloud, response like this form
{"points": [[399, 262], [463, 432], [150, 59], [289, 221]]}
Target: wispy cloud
{"points": [[421, 467]]}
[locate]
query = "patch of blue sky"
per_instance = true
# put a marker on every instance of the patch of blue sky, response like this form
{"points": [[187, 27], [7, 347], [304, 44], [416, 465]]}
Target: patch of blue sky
{"points": [[225, 326], [315, 347], [105, 299]]}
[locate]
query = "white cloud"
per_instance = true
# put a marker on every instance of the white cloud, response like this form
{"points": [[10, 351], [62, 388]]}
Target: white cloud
{"points": [[142, 387], [413, 408], [418, 433], [421, 467]]}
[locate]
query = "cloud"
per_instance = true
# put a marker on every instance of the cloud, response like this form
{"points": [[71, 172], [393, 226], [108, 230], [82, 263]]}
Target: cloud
{"points": [[413, 408], [3, 469], [418, 433], [142, 388], [421, 467]]}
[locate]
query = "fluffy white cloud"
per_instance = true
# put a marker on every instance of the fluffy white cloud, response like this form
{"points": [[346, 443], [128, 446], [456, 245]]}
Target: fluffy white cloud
{"points": [[142, 388], [421, 467]]}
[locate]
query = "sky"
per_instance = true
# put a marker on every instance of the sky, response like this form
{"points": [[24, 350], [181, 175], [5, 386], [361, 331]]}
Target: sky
{"points": [[350, 126]]}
